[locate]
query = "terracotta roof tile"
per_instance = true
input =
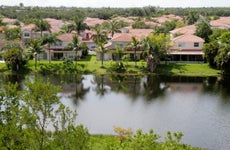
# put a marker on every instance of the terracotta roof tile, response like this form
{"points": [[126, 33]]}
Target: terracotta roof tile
{"points": [[187, 38], [28, 27], [93, 21], [66, 37], [223, 22], [124, 37], [185, 30]]}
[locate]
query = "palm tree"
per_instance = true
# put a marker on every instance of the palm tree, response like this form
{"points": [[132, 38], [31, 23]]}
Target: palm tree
{"points": [[49, 39], [135, 45], [119, 52], [113, 27], [102, 50], [77, 25], [42, 25], [100, 36], [157, 46], [35, 47], [75, 45]]}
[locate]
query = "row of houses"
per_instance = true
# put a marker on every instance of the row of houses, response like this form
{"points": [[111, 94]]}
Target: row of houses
{"points": [[185, 47]]}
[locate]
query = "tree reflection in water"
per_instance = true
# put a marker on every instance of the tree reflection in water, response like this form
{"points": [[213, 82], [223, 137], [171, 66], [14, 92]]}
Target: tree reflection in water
{"points": [[100, 89], [153, 87], [80, 91]]}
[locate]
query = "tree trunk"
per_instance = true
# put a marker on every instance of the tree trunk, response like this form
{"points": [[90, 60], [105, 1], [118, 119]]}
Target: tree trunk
{"points": [[49, 54]]}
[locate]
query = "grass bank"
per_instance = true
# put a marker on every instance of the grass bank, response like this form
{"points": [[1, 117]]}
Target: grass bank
{"points": [[92, 65]]}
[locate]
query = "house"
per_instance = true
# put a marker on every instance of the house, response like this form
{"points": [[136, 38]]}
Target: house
{"points": [[93, 21], [122, 40], [183, 30], [223, 22], [8, 21], [55, 24], [60, 50], [86, 37], [186, 47]]}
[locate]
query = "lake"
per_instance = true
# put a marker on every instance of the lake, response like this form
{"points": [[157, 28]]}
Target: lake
{"points": [[197, 106]]}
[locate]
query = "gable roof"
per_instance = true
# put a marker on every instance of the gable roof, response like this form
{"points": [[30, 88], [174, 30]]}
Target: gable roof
{"points": [[123, 37], [223, 22], [187, 38], [55, 24], [66, 37], [93, 21], [140, 32], [184, 30], [28, 27]]}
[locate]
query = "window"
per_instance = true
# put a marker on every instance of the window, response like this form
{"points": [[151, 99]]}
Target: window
{"points": [[58, 43], [196, 44], [181, 44], [26, 35]]}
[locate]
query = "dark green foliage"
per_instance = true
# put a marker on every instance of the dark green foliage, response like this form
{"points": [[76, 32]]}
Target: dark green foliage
{"points": [[14, 56], [118, 67], [67, 66], [211, 50], [165, 27], [203, 30], [192, 17], [11, 132], [12, 33], [26, 114], [140, 25]]}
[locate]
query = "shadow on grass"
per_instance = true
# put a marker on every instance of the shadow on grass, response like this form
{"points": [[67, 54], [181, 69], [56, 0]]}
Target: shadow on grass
{"points": [[86, 58], [170, 69]]}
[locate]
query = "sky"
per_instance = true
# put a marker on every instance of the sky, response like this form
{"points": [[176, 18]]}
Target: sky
{"points": [[119, 3]]}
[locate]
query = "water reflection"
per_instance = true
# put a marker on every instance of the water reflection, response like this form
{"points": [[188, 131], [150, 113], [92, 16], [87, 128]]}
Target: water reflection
{"points": [[197, 106], [101, 88], [153, 87]]}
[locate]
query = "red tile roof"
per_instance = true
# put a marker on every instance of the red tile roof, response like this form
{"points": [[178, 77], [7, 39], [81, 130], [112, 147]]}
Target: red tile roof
{"points": [[123, 37], [93, 21], [185, 30], [28, 27], [187, 38], [66, 37], [223, 22], [55, 24], [8, 20]]}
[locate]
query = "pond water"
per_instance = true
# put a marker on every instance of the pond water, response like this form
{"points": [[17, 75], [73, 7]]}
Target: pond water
{"points": [[199, 107]]}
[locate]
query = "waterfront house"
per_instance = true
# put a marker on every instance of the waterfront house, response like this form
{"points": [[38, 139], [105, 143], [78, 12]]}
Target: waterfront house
{"points": [[186, 48]]}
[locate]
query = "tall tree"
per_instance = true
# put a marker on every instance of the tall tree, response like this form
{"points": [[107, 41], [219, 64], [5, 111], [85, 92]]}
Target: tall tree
{"points": [[35, 47], [113, 27], [75, 45], [203, 30], [49, 40], [119, 52], [77, 25], [210, 51], [192, 17], [101, 50], [223, 57], [42, 25], [14, 56], [39, 98], [157, 46], [100, 36], [135, 45], [11, 124], [12, 33]]}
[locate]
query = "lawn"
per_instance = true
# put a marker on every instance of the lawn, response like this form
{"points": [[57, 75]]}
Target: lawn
{"points": [[92, 65], [183, 69]]}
